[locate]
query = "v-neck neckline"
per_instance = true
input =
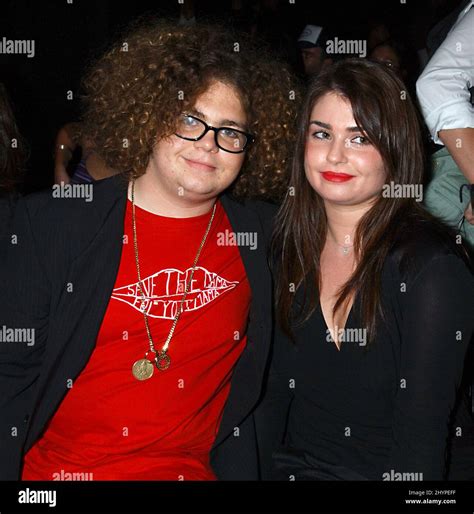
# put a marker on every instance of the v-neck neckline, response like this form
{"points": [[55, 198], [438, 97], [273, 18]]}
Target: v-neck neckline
{"points": [[328, 331]]}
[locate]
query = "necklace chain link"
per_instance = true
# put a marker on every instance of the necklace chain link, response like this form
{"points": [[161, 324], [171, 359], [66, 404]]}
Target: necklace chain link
{"points": [[162, 359]]}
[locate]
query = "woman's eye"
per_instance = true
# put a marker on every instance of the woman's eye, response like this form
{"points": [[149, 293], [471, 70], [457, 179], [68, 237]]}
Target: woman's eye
{"points": [[360, 140], [320, 134]]}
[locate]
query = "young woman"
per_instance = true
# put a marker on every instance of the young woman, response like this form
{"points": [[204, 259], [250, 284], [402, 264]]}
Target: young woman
{"points": [[375, 294]]}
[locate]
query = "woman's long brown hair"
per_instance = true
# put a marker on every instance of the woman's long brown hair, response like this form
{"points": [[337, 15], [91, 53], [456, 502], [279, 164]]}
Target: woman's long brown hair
{"points": [[383, 110], [12, 160]]}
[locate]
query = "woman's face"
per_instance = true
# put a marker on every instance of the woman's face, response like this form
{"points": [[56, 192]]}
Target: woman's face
{"points": [[340, 163]]}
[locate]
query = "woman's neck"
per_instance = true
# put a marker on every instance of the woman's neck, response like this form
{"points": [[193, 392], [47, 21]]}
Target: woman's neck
{"points": [[342, 222]]}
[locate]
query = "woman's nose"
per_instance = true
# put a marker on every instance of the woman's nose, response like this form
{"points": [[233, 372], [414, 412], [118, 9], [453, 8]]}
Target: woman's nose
{"points": [[337, 150]]}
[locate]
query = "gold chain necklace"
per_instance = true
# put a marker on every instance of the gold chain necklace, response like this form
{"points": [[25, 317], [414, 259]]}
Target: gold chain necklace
{"points": [[143, 369]]}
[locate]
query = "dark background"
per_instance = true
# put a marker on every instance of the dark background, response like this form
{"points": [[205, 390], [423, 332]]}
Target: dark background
{"points": [[68, 35]]}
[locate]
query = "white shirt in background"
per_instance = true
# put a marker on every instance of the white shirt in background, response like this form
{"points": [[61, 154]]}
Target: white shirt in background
{"points": [[443, 87]]}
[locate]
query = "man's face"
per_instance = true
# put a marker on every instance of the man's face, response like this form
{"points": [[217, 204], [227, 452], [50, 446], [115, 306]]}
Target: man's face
{"points": [[312, 60], [386, 55], [199, 170]]}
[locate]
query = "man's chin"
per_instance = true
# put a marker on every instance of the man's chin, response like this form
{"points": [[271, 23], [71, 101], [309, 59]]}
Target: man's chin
{"points": [[201, 191], [200, 194]]}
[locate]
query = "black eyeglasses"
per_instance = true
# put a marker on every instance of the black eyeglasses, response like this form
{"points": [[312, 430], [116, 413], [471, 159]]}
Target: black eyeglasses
{"points": [[227, 138]]}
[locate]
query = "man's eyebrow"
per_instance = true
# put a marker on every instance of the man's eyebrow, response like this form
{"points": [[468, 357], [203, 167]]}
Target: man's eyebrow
{"points": [[232, 123], [223, 122], [328, 126]]}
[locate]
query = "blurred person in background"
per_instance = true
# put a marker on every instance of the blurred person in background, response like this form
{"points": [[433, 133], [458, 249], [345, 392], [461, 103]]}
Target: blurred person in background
{"points": [[311, 45], [13, 155], [445, 93], [446, 96], [90, 166]]}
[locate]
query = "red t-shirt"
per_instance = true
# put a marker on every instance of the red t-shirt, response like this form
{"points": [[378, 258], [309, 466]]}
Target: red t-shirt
{"points": [[111, 426]]}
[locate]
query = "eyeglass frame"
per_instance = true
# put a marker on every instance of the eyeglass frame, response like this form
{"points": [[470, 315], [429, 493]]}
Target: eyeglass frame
{"points": [[250, 137]]}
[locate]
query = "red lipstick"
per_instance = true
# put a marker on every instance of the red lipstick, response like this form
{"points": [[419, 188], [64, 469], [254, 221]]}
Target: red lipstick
{"points": [[332, 176]]}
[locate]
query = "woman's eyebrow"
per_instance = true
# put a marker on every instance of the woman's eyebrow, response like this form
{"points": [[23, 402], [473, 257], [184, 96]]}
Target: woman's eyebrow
{"points": [[321, 124], [329, 127]]}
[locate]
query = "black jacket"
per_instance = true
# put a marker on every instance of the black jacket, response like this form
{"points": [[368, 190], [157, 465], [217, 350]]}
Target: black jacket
{"points": [[427, 288], [57, 277]]}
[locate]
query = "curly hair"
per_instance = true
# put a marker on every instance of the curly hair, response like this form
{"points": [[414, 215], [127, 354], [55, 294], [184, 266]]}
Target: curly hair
{"points": [[134, 93]]}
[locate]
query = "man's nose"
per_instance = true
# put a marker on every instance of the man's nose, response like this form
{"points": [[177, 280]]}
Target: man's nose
{"points": [[207, 142]]}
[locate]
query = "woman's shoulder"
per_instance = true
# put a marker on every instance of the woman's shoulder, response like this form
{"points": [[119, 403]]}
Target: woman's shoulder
{"points": [[421, 242]]}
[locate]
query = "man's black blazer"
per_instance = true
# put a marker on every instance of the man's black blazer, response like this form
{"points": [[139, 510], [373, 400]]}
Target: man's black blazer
{"points": [[60, 262]]}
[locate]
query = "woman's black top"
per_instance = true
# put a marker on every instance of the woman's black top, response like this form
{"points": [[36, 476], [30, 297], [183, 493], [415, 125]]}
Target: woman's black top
{"points": [[380, 410]]}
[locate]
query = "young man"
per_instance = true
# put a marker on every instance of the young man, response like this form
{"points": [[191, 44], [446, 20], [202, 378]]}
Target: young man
{"points": [[140, 312]]}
